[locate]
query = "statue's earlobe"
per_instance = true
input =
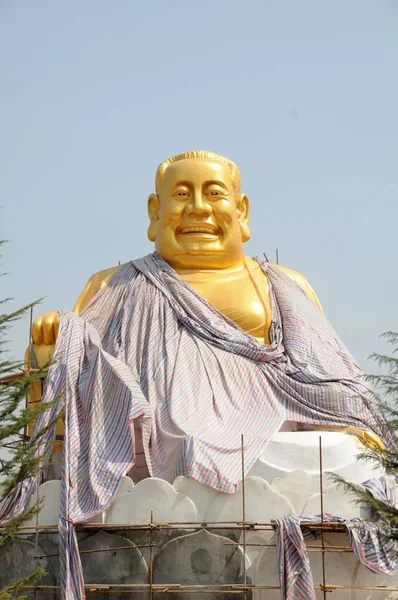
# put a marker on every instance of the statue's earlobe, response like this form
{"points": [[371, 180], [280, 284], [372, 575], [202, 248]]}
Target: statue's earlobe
{"points": [[243, 211], [153, 213]]}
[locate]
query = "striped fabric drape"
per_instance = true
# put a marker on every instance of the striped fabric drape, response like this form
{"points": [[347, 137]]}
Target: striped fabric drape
{"points": [[101, 398], [150, 347], [370, 545], [371, 548]]}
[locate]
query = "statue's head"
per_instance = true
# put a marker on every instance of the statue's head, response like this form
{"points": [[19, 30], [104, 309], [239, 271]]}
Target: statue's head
{"points": [[198, 217]]}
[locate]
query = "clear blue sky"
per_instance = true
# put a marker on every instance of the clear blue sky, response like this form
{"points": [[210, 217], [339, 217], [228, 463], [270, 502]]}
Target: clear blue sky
{"points": [[302, 95]]}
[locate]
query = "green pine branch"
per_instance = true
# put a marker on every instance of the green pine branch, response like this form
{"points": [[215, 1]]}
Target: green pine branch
{"points": [[18, 452], [9, 591], [386, 399]]}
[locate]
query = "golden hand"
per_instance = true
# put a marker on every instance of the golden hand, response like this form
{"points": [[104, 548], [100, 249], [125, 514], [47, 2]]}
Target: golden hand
{"points": [[44, 334]]}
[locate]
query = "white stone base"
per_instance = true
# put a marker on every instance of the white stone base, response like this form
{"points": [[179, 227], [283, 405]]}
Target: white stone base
{"points": [[285, 480]]}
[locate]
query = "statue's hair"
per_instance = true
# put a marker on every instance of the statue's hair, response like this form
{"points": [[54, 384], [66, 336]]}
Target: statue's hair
{"points": [[198, 154]]}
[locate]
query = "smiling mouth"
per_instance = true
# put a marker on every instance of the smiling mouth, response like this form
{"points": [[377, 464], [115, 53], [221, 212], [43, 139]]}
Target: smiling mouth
{"points": [[199, 229]]}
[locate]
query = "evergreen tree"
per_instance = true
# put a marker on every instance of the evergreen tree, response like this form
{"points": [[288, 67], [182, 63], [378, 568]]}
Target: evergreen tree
{"points": [[18, 458], [386, 397]]}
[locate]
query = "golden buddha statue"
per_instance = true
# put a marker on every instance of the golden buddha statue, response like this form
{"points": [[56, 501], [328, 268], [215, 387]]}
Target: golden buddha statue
{"points": [[199, 221]]}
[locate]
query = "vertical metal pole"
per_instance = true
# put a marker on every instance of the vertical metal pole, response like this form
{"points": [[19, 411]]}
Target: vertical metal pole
{"points": [[30, 336], [322, 531], [151, 560], [243, 514], [277, 256], [37, 528], [29, 365]]}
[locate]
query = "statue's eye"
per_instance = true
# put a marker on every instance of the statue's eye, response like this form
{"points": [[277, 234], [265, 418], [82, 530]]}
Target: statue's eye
{"points": [[215, 193], [182, 194]]}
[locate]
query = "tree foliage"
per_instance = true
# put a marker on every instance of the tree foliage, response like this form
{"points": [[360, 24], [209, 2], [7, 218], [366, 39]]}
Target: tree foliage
{"points": [[386, 397], [18, 456]]}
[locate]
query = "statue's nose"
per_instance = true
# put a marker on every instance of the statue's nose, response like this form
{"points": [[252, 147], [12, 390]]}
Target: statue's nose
{"points": [[198, 205]]}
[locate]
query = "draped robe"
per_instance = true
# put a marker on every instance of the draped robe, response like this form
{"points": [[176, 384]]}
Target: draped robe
{"points": [[149, 347], [207, 382]]}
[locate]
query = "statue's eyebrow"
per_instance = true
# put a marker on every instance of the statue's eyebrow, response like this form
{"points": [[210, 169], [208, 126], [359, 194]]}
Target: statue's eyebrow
{"points": [[215, 182], [182, 182]]}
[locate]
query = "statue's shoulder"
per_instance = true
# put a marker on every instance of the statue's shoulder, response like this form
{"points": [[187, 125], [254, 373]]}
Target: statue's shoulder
{"points": [[297, 277], [104, 275], [301, 281], [93, 286]]}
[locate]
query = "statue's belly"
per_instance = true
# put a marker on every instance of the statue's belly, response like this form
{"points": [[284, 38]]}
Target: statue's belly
{"points": [[240, 296], [252, 320]]}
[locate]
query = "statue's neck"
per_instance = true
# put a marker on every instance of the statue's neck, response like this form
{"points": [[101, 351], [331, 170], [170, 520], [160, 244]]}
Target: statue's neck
{"points": [[233, 271], [239, 292], [225, 274]]}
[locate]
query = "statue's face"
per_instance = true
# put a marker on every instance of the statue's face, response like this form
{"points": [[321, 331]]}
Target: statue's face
{"points": [[197, 220]]}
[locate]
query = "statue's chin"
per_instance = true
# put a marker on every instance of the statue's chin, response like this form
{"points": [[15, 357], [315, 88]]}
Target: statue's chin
{"points": [[200, 259], [201, 255]]}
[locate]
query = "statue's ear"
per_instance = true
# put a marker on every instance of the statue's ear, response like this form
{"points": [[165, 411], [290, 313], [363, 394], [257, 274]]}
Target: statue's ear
{"points": [[243, 211], [153, 212]]}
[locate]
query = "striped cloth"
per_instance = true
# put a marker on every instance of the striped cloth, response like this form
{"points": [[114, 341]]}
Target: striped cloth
{"points": [[383, 488], [149, 347], [368, 541], [294, 570], [208, 382], [101, 399], [369, 544]]}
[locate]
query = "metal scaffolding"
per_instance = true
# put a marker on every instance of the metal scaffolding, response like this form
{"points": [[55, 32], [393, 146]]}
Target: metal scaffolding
{"points": [[243, 526]]}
